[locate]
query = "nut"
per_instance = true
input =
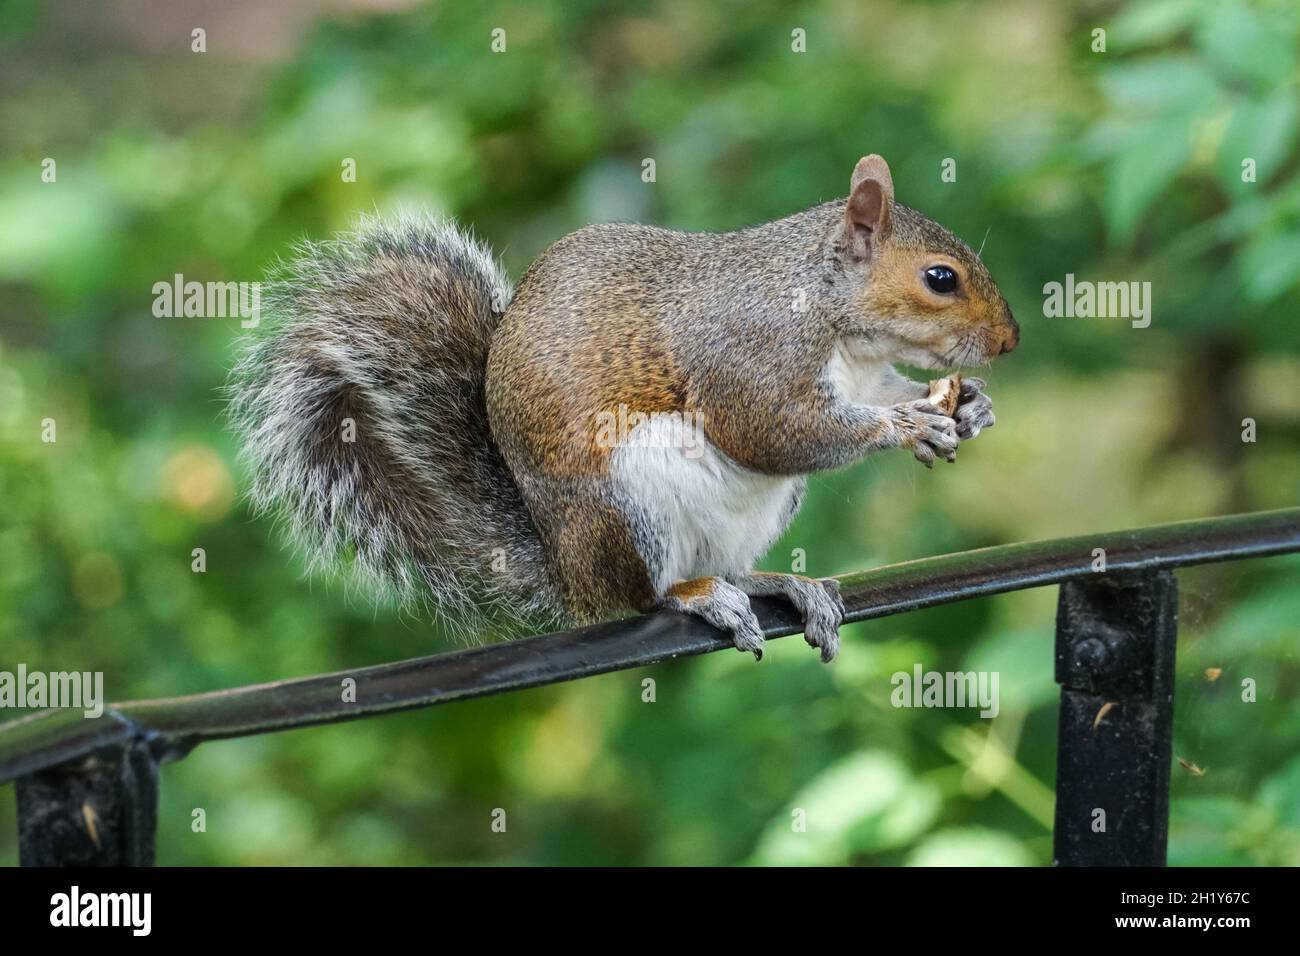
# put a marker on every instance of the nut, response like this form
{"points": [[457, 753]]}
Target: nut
{"points": [[945, 393]]}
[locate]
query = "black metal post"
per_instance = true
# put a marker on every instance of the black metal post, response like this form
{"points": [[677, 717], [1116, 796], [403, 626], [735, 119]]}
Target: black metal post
{"points": [[1115, 640], [100, 810]]}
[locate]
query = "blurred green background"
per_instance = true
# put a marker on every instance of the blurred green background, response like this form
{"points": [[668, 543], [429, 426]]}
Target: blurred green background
{"points": [[1114, 166]]}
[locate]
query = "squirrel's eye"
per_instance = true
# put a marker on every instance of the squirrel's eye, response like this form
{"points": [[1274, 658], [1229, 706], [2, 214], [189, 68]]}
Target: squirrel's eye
{"points": [[941, 279]]}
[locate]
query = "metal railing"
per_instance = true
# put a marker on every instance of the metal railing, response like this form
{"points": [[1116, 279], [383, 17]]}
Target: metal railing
{"points": [[88, 789]]}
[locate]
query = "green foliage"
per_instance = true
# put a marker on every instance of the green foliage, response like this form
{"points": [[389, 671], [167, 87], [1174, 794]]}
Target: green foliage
{"points": [[1117, 166], [1204, 90]]}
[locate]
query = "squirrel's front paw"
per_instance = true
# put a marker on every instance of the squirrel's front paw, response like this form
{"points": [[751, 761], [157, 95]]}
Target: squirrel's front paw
{"points": [[974, 409], [723, 605], [928, 432]]}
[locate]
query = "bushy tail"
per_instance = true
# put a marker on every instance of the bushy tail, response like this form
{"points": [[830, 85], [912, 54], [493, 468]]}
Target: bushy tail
{"points": [[360, 406]]}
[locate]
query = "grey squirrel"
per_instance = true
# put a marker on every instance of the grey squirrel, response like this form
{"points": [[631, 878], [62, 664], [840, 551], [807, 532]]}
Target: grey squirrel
{"points": [[630, 430]]}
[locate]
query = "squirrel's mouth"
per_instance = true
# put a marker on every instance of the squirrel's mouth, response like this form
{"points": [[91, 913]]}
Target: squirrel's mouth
{"points": [[967, 352], [948, 354], [947, 361]]}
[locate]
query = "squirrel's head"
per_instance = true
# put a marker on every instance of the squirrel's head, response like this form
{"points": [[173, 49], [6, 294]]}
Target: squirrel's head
{"points": [[919, 294]]}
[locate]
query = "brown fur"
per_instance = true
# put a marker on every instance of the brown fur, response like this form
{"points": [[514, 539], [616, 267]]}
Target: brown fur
{"points": [[698, 589]]}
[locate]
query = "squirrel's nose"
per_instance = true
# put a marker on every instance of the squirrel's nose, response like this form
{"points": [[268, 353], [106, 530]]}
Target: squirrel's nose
{"points": [[1012, 339]]}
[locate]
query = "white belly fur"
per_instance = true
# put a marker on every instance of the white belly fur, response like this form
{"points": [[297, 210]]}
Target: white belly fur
{"points": [[719, 517], [858, 376]]}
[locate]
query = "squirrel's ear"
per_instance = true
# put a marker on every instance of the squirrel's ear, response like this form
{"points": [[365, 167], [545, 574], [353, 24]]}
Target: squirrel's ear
{"points": [[867, 215]]}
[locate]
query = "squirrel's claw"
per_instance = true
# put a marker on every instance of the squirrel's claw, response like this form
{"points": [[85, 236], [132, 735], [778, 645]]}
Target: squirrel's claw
{"points": [[928, 432], [723, 605], [823, 612], [832, 587], [974, 410], [817, 601]]}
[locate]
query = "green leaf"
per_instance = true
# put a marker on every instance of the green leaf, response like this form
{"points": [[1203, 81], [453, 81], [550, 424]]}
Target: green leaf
{"points": [[867, 802], [1166, 83], [970, 846], [1281, 794], [1023, 663], [1137, 177], [1245, 47], [1261, 130], [1262, 624], [1203, 831], [1270, 266], [1150, 23]]}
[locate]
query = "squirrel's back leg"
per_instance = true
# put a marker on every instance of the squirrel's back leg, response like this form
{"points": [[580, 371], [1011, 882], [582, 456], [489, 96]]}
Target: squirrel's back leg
{"points": [[594, 558], [723, 605], [609, 555], [602, 559], [817, 600], [700, 520]]}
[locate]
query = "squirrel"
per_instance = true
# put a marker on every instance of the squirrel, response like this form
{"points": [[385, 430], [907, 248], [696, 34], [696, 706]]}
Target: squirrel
{"points": [[630, 429]]}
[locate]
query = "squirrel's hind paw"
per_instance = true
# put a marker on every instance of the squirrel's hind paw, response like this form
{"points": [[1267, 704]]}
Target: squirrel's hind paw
{"points": [[823, 612], [818, 601], [823, 619], [723, 605]]}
